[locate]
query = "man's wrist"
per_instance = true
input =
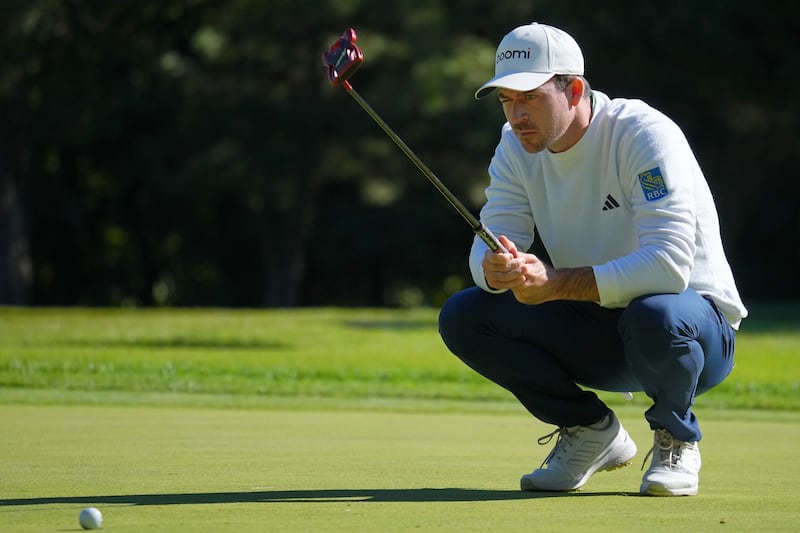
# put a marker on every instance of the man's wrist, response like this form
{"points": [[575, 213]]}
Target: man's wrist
{"points": [[577, 284]]}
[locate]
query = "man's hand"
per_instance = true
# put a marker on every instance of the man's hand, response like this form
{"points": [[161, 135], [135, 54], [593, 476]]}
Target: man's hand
{"points": [[504, 269], [533, 281]]}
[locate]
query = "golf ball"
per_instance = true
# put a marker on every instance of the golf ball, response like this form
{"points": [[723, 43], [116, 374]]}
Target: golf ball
{"points": [[90, 518]]}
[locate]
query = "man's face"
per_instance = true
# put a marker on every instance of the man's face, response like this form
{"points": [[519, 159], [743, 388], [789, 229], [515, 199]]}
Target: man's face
{"points": [[540, 117]]}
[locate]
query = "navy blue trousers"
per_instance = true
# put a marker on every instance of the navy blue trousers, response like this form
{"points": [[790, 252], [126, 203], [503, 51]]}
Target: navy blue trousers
{"points": [[672, 347]]}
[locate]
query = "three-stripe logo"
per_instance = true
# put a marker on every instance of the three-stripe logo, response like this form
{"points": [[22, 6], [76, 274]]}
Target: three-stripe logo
{"points": [[610, 203]]}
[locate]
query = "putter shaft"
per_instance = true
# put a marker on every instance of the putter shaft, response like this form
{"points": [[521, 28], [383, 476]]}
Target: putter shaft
{"points": [[477, 226]]}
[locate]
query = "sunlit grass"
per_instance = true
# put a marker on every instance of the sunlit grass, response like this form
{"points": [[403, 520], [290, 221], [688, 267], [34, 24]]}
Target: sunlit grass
{"points": [[171, 469], [325, 353]]}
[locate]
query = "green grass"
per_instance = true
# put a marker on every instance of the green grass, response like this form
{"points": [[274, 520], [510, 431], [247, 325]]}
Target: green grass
{"points": [[176, 469], [344, 420], [252, 357], [322, 352]]}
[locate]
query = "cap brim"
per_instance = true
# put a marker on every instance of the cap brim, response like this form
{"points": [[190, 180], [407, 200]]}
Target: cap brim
{"points": [[516, 81]]}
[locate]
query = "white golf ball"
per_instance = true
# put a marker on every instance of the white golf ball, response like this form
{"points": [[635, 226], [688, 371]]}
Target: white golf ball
{"points": [[90, 518]]}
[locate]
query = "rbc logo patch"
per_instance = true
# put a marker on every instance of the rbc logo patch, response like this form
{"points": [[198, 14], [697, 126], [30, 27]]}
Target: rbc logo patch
{"points": [[653, 185]]}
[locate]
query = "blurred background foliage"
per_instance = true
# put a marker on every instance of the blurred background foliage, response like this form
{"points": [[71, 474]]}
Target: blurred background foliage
{"points": [[192, 152]]}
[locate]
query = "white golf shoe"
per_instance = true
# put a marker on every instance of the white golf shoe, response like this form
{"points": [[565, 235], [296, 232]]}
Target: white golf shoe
{"points": [[675, 468], [579, 452]]}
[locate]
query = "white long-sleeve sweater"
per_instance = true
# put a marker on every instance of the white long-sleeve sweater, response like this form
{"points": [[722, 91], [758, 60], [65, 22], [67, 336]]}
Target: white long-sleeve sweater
{"points": [[629, 200]]}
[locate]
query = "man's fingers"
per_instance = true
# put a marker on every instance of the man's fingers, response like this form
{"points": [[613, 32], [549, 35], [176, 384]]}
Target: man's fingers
{"points": [[504, 269], [509, 245]]}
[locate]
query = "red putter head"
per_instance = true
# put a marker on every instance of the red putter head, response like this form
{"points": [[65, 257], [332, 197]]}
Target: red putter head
{"points": [[343, 59]]}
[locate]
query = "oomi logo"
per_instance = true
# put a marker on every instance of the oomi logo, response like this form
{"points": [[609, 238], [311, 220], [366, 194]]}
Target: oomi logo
{"points": [[653, 185], [514, 54]]}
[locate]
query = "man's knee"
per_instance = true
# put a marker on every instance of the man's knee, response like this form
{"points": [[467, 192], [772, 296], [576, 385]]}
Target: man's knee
{"points": [[454, 318]]}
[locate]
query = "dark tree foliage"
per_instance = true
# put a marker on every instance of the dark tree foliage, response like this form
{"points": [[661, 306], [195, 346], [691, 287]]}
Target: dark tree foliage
{"points": [[191, 152]]}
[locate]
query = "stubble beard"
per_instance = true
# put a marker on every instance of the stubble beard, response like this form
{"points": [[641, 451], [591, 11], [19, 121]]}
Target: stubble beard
{"points": [[541, 138], [535, 142]]}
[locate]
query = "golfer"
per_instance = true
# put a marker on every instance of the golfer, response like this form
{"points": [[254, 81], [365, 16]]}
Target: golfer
{"points": [[637, 294]]}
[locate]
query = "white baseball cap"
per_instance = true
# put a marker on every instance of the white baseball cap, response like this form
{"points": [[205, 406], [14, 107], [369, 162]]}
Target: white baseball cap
{"points": [[530, 55]]}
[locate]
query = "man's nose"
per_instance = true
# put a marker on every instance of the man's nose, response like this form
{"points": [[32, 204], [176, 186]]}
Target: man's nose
{"points": [[519, 112]]}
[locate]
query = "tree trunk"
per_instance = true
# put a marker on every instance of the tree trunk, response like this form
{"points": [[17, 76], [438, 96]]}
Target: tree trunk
{"points": [[16, 268]]}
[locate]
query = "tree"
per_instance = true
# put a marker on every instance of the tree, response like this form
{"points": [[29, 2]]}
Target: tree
{"points": [[191, 152]]}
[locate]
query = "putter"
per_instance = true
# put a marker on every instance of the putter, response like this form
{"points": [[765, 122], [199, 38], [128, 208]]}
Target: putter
{"points": [[342, 61]]}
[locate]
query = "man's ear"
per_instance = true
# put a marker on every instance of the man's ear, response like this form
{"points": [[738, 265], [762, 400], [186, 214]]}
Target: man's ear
{"points": [[576, 90]]}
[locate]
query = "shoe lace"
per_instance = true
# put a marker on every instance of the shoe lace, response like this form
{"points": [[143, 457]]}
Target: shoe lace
{"points": [[669, 449], [564, 441]]}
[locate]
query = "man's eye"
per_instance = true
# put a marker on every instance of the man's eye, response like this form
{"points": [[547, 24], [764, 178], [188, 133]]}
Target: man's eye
{"points": [[530, 97]]}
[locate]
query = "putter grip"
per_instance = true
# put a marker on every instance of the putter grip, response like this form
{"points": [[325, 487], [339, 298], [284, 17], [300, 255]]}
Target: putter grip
{"points": [[488, 237]]}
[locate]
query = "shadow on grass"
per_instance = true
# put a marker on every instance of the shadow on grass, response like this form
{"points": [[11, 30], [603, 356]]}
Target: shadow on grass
{"points": [[179, 342], [310, 496], [394, 325]]}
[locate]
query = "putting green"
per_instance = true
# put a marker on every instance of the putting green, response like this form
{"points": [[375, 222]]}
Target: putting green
{"points": [[173, 469]]}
